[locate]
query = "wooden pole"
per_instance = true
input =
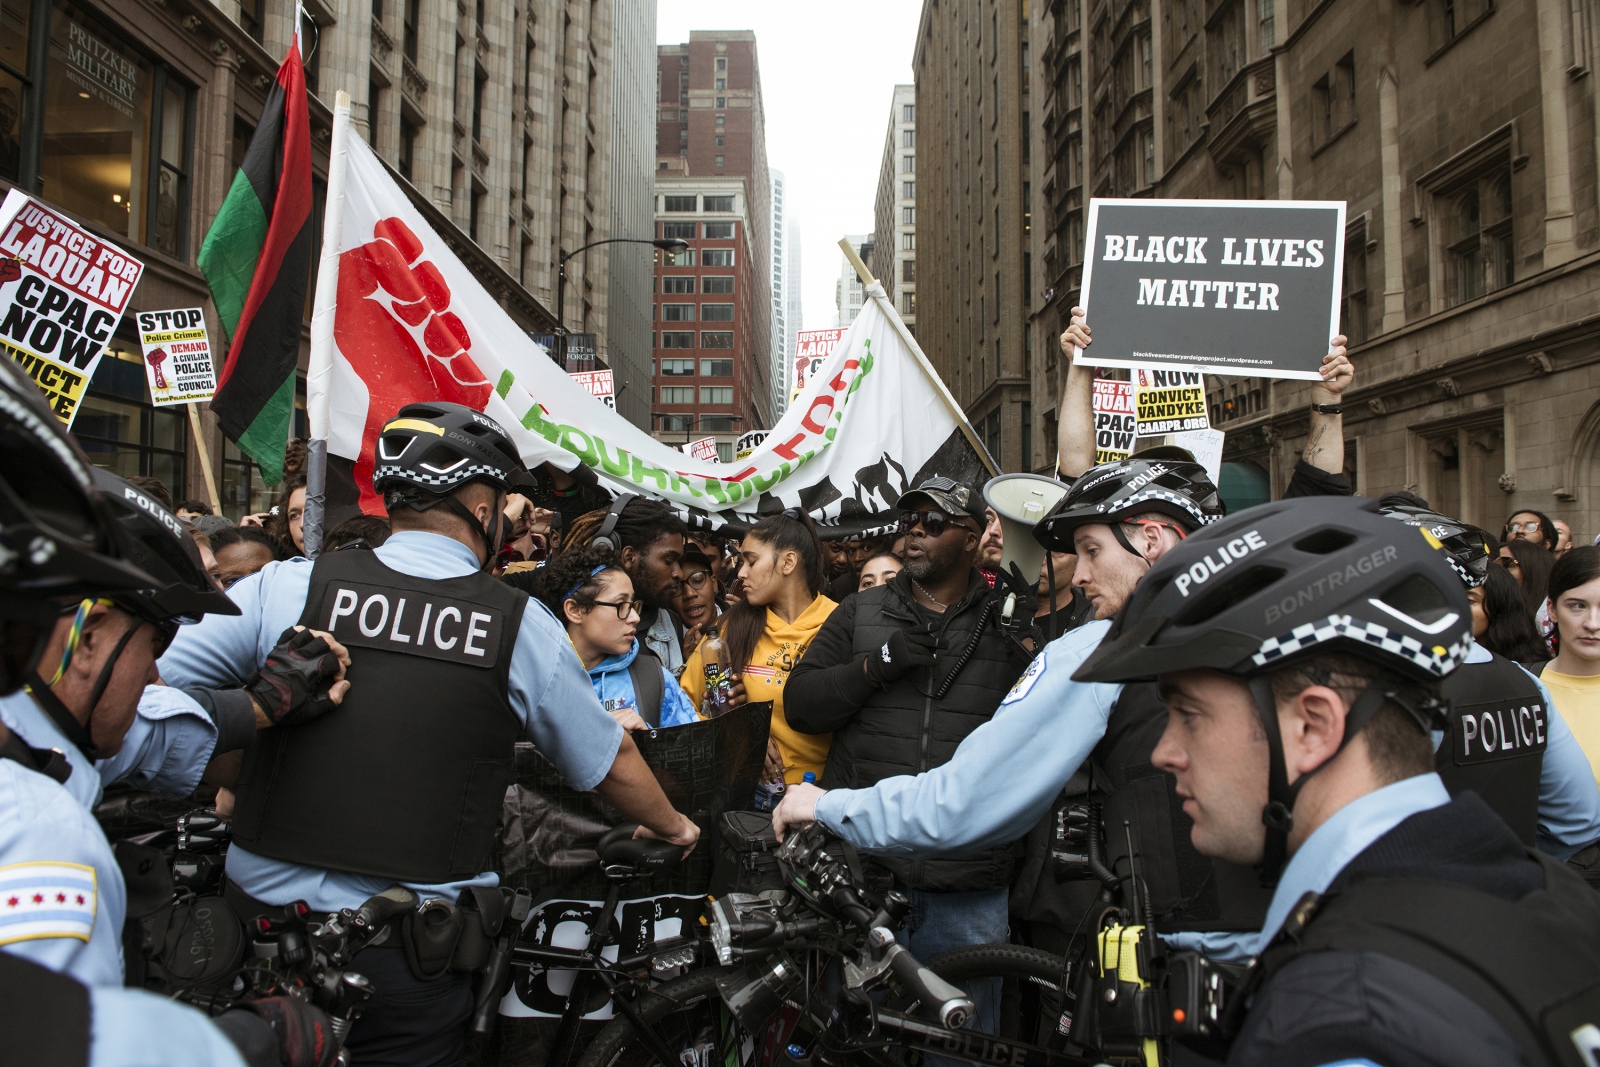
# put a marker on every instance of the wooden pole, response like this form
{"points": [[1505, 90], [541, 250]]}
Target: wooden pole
{"points": [[867, 281], [205, 457]]}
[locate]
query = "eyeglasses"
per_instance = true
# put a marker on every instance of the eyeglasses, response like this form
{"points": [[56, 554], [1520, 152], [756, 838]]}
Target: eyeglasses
{"points": [[1524, 527], [934, 522], [1507, 561], [697, 580], [624, 607]]}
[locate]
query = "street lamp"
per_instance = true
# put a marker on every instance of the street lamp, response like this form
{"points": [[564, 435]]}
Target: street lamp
{"points": [[666, 244]]}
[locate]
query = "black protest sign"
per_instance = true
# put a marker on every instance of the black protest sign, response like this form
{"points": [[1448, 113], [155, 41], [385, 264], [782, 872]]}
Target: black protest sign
{"points": [[1242, 287]]}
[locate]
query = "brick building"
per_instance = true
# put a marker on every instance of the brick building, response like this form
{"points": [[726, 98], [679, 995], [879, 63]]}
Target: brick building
{"points": [[1463, 137], [712, 178]]}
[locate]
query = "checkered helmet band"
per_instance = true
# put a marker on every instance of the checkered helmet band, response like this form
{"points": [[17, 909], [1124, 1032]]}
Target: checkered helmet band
{"points": [[1437, 660], [458, 476], [1131, 505]]}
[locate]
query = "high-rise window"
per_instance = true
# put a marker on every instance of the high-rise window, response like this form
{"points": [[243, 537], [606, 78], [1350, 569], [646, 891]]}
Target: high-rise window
{"points": [[716, 368], [908, 216], [716, 312], [1267, 18], [908, 112], [721, 85], [716, 257], [412, 20], [908, 138], [722, 62], [678, 339], [908, 242], [716, 338], [716, 394], [908, 190], [679, 203], [719, 231], [677, 368], [480, 85], [677, 394], [683, 231], [677, 312], [908, 271], [908, 164], [678, 283], [719, 203], [717, 283]]}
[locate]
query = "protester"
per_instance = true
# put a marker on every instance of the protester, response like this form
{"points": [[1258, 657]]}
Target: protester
{"points": [[1531, 526], [1529, 564], [1072, 608], [878, 570], [769, 631], [593, 598], [696, 603], [292, 526], [876, 676], [647, 540], [836, 559], [359, 531], [856, 549], [210, 525], [715, 550], [208, 559], [1500, 620], [242, 551], [192, 509], [992, 548], [1574, 675], [1563, 537], [1404, 918], [1318, 472]]}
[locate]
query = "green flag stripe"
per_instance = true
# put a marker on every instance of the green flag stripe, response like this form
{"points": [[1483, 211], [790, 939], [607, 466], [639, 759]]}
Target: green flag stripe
{"points": [[263, 440], [231, 250]]}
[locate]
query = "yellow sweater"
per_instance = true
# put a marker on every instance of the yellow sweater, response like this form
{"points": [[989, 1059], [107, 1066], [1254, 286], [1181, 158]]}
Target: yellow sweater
{"points": [[1577, 697], [779, 649]]}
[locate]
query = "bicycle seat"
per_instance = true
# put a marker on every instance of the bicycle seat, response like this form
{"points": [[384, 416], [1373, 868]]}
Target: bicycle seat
{"points": [[621, 852]]}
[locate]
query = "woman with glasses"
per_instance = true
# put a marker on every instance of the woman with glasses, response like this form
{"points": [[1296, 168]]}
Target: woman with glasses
{"points": [[594, 599], [1529, 564], [770, 629], [697, 600]]}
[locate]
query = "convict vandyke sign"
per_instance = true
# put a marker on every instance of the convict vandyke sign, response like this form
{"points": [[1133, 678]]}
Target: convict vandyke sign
{"points": [[1244, 287]]}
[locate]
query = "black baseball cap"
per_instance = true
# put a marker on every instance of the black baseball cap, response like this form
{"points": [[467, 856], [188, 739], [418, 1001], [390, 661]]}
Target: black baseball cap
{"points": [[949, 496], [694, 554]]}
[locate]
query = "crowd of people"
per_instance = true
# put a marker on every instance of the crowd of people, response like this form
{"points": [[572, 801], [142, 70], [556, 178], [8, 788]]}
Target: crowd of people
{"points": [[1268, 708]]}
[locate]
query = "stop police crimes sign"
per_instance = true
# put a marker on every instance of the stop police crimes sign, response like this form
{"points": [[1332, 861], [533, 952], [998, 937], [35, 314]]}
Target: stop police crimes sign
{"points": [[1241, 287]]}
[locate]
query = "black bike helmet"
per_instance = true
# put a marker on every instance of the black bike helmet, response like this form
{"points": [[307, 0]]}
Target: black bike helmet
{"points": [[154, 539], [1465, 547], [1284, 581], [1115, 492], [437, 447]]}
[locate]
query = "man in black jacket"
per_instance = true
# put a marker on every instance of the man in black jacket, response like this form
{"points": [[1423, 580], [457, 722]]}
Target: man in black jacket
{"points": [[900, 674]]}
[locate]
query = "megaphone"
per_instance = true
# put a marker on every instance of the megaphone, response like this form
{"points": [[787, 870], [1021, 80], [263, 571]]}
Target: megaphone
{"points": [[1021, 500]]}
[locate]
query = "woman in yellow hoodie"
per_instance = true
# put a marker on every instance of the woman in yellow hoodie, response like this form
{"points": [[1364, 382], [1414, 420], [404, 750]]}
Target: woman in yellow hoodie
{"points": [[768, 632]]}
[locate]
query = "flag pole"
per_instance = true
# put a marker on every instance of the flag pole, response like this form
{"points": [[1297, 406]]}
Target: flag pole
{"points": [[205, 457], [884, 305], [319, 374]]}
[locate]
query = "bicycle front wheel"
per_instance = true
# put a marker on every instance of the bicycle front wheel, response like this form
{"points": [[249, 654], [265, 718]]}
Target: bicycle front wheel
{"points": [[687, 1015]]}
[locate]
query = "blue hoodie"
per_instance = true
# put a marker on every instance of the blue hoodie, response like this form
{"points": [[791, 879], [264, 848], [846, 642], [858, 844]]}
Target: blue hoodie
{"points": [[614, 686]]}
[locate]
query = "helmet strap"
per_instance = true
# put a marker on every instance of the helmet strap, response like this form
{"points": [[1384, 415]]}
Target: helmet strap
{"points": [[1278, 815], [1122, 539], [79, 733]]}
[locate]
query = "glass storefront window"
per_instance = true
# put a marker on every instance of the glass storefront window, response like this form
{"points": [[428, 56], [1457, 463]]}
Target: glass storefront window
{"points": [[243, 491], [116, 135], [119, 428]]}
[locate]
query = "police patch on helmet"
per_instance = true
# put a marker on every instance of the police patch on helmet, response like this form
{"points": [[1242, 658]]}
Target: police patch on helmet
{"points": [[1032, 674]]}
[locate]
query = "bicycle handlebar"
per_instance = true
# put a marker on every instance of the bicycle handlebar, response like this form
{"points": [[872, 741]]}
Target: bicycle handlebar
{"points": [[951, 1005]]}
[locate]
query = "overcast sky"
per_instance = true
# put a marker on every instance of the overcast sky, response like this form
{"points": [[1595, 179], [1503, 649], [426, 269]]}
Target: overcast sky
{"points": [[828, 72]]}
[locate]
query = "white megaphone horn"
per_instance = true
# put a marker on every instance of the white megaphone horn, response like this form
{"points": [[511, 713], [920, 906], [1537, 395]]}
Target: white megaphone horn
{"points": [[1021, 500]]}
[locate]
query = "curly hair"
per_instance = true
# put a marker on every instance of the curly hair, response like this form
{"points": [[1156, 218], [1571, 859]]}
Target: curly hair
{"points": [[575, 575]]}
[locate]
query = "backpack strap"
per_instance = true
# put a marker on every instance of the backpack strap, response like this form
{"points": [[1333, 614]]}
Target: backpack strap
{"points": [[648, 687]]}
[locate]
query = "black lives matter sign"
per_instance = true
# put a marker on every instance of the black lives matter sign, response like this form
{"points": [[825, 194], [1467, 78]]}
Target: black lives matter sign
{"points": [[1243, 287]]}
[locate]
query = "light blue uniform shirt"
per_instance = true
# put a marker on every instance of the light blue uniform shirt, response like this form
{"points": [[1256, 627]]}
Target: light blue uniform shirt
{"points": [[132, 1028], [549, 690], [62, 899]]}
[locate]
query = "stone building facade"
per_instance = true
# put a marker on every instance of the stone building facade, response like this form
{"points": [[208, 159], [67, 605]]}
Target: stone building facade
{"points": [[894, 216], [498, 115], [972, 167], [1462, 136]]}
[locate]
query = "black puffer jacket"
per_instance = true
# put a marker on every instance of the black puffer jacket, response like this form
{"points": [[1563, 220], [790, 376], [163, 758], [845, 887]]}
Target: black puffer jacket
{"points": [[904, 728]]}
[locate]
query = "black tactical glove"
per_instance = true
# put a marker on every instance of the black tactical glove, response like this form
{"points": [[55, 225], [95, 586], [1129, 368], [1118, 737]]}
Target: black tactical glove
{"points": [[276, 1031], [1027, 604], [904, 650], [292, 686]]}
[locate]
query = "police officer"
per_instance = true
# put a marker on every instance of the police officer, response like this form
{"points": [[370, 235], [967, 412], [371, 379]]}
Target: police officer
{"points": [[449, 668], [57, 547], [1407, 926], [1505, 739]]}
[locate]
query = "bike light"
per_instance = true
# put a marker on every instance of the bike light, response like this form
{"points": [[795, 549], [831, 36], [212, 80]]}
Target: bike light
{"points": [[671, 961], [753, 993]]}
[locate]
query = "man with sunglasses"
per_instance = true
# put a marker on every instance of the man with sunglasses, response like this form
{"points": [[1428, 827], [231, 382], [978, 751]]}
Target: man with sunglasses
{"points": [[900, 674]]}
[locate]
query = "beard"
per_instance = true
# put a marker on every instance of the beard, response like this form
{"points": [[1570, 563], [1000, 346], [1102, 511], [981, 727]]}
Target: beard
{"points": [[921, 567]]}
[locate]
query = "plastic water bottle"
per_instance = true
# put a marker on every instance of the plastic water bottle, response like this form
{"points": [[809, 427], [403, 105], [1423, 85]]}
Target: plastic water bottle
{"points": [[768, 794], [719, 681], [809, 778]]}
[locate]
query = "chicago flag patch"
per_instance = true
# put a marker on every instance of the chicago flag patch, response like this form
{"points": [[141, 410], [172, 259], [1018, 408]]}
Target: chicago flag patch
{"points": [[44, 900]]}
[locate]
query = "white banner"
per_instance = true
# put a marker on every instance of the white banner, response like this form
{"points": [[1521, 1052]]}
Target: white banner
{"points": [[177, 356], [601, 385], [399, 318]]}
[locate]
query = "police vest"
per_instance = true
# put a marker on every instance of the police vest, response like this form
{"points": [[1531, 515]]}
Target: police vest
{"points": [[405, 778], [1533, 965], [1188, 891], [1496, 740]]}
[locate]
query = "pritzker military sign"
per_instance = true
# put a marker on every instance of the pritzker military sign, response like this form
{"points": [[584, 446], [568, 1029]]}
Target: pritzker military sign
{"points": [[1243, 287]]}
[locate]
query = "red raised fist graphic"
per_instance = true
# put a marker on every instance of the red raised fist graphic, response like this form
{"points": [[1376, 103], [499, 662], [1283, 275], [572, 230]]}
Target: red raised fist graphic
{"points": [[10, 270], [394, 325]]}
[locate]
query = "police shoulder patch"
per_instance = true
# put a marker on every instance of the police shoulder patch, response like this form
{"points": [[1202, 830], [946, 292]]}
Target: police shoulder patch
{"points": [[1034, 672], [46, 900]]}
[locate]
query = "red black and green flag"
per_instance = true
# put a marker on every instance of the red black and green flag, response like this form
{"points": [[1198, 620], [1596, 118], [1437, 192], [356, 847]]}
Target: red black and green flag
{"points": [[257, 261]]}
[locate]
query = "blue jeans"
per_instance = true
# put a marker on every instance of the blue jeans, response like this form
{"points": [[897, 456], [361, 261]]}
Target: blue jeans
{"points": [[940, 922]]}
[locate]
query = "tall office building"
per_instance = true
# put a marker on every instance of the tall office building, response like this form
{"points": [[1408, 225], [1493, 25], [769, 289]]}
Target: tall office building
{"points": [[793, 297], [971, 169], [633, 149], [894, 232], [780, 305], [1471, 288], [848, 294], [712, 178]]}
